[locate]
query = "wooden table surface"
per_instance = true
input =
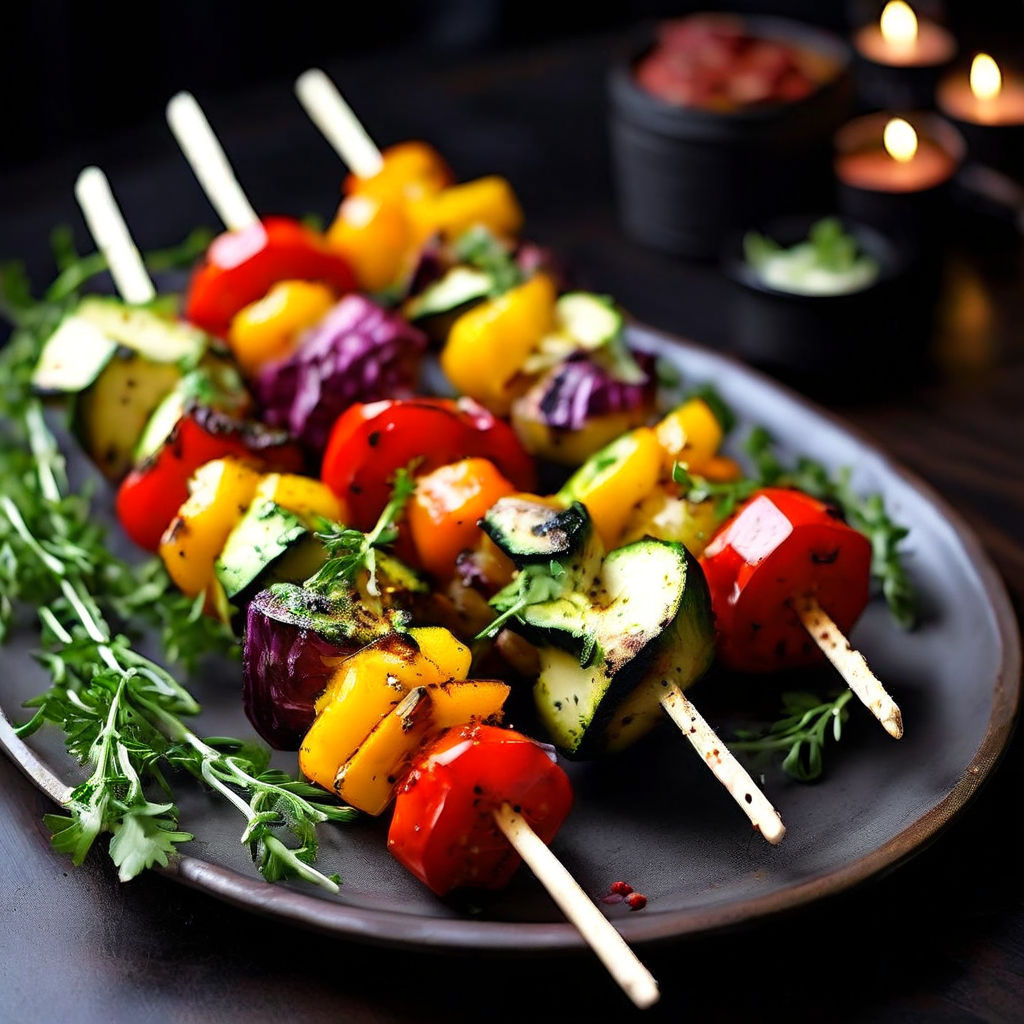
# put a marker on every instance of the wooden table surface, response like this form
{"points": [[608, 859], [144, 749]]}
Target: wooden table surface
{"points": [[941, 938]]}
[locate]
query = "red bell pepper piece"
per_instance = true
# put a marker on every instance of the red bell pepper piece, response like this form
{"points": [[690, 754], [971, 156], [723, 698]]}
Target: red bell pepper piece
{"points": [[779, 545], [150, 496], [370, 441], [443, 829], [241, 266]]}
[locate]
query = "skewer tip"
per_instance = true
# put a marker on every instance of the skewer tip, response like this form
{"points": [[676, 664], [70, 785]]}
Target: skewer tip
{"points": [[893, 725]]}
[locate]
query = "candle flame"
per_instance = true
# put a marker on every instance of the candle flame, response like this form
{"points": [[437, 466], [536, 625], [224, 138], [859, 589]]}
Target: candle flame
{"points": [[898, 23], [986, 79], [900, 140]]}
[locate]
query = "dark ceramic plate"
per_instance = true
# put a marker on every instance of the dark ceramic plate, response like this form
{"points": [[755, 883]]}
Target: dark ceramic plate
{"points": [[654, 815]]}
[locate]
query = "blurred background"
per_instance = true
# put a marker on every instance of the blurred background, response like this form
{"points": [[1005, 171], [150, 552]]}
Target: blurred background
{"points": [[75, 73]]}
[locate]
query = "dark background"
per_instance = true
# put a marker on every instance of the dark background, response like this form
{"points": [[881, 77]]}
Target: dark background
{"points": [[72, 73]]}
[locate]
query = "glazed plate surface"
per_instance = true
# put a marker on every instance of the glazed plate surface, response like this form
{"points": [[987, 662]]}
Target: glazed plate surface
{"points": [[655, 816]]}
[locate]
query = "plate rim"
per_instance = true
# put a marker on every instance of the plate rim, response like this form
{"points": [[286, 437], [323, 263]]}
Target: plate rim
{"points": [[444, 934]]}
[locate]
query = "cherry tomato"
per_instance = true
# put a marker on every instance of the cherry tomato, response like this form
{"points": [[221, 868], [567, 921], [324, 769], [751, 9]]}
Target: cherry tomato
{"points": [[370, 441], [150, 496], [779, 545], [443, 829], [241, 266]]}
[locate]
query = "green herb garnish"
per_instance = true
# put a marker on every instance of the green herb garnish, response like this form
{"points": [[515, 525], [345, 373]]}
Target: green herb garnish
{"points": [[482, 249], [351, 550], [802, 732], [122, 714], [533, 584]]}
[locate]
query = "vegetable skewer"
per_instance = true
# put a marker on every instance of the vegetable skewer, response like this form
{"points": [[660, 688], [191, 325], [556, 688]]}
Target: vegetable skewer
{"points": [[474, 792], [253, 255], [772, 571], [619, 635]]}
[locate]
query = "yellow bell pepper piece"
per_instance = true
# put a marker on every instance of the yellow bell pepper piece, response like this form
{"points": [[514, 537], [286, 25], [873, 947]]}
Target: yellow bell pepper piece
{"points": [[659, 515], [569, 447], [371, 684], [450, 657], [410, 170], [365, 694], [396, 655], [267, 329], [369, 778], [489, 202], [220, 493], [302, 495], [690, 433], [613, 480], [373, 233], [488, 345]]}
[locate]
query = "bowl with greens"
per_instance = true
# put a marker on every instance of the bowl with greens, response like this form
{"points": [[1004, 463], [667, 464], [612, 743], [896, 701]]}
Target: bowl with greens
{"points": [[827, 304]]}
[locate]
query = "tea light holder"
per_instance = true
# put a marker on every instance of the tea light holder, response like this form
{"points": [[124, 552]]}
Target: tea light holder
{"points": [[894, 172], [901, 58], [986, 104]]}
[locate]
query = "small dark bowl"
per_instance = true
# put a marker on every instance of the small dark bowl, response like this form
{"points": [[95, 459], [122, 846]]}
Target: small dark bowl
{"points": [[841, 346], [687, 177]]}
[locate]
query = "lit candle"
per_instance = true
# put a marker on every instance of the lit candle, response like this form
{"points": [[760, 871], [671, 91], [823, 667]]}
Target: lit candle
{"points": [[893, 171], [983, 96], [901, 39], [900, 160], [987, 106]]}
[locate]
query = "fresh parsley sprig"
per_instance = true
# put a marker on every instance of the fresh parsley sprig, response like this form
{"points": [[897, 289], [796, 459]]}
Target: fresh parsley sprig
{"points": [[801, 732], [351, 550], [533, 584], [121, 713]]}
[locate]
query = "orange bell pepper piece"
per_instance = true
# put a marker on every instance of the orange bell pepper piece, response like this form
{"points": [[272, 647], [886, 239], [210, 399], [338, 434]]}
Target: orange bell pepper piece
{"points": [[410, 170], [373, 233], [444, 511], [486, 201]]}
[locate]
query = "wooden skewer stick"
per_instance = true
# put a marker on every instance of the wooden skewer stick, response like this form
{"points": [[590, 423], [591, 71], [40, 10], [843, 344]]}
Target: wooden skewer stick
{"points": [[335, 118], [209, 162], [729, 772], [622, 963], [850, 664], [102, 214]]}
